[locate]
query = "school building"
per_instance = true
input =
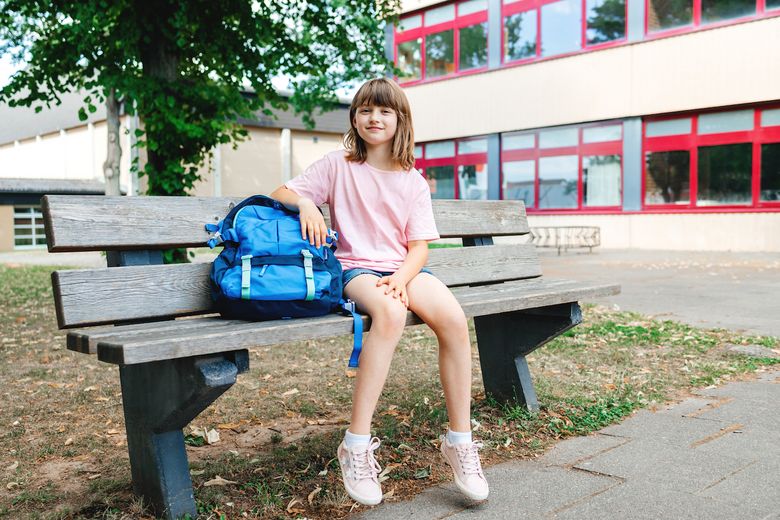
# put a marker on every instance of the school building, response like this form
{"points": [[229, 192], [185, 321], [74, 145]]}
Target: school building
{"points": [[656, 120], [52, 152]]}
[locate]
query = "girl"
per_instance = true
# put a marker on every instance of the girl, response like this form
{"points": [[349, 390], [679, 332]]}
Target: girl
{"points": [[381, 208]]}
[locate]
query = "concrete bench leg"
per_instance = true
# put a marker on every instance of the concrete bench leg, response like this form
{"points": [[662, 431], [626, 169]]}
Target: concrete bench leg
{"points": [[505, 339], [160, 398]]}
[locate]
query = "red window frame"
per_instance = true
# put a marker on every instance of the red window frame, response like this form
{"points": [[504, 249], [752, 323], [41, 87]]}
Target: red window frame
{"points": [[458, 159], [530, 5], [691, 142], [457, 23], [581, 149], [696, 24]]}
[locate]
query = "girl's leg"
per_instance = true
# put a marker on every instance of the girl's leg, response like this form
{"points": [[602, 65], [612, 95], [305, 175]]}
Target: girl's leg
{"points": [[388, 317], [433, 302]]}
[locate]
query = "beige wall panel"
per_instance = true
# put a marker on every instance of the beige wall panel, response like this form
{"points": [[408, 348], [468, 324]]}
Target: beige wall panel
{"points": [[693, 71], [305, 151], [255, 167], [692, 232], [6, 228], [204, 187]]}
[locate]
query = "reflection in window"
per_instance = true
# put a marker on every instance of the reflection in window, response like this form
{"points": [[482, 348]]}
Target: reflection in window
{"points": [[717, 10], [439, 54], [471, 6], [518, 181], [734, 121], [558, 138], [473, 47], [558, 182], [418, 151], [409, 59], [441, 180], [472, 181], [440, 149], [472, 146], [410, 22], [517, 142], [606, 20], [724, 174], [770, 172], [668, 127], [667, 178], [520, 36], [561, 27], [441, 14], [28, 227], [666, 14], [601, 134], [601, 180], [770, 117], [773, 4]]}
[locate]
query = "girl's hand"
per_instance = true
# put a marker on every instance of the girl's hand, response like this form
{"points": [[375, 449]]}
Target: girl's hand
{"points": [[313, 226], [395, 287]]}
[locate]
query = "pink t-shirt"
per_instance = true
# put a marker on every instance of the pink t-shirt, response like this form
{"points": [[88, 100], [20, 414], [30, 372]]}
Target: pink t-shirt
{"points": [[376, 212]]}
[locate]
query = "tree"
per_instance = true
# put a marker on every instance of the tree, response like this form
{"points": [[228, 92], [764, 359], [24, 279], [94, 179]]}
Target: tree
{"points": [[190, 69]]}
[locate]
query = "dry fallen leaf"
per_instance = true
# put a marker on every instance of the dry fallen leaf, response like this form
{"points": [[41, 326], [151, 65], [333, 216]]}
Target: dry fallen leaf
{"points": [[11, 485], [313, 494], [93, 477], [13, 466], [197, 472], [69, 441], [290, 392], [294, 501], [218, 481]]}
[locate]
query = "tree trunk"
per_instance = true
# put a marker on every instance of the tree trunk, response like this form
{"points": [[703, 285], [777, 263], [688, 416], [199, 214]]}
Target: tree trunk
{"points": [[114, 153]]}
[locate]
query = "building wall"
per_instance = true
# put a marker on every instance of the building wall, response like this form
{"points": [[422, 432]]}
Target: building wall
{"points": [[307, 147], [6, 228], [704, 69], [697, 232], [76, 153]]}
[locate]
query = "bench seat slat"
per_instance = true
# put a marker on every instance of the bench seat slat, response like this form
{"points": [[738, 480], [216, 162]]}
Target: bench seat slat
{"points": [[476, 301], [106, 295], [90, 223]]}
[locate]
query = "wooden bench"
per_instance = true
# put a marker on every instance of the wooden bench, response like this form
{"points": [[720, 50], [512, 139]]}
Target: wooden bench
{"points": [[171, 369]]}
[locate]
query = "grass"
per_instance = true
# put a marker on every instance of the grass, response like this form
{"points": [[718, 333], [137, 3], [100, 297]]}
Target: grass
{"points": [[64, 426]]}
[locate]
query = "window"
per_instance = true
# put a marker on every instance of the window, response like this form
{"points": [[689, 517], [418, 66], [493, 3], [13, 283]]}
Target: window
{"points": [[606, 21], [28, 227], [713, 160], [520, 36], [442, 41], [455, 169], [561, 27], [564, 169], [772, 4], [668, 14], [718, 10], [665, 15]]}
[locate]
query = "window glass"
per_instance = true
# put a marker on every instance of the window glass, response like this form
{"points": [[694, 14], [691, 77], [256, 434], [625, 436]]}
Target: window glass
{"points": [[441, 14], [410, 59], [561, 27], [601, 180], [772, 4], [520, 36], [418, 151], [667, 178], [473, 46], [472, 181], [558, 138], [518, 181], [410, 22], [724, 174], [770, 172], [440, 149], [601, 134], [472, 146], [28, 227], [666, 14], [439, 52], [517, 142], [770, 117], [668, 127], [717, 10], [441, 180], [606, 20], [736, 121], [558, 182], [471, 6]]}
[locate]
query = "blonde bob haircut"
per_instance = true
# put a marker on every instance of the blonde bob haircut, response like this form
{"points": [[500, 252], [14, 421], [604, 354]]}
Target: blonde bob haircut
{"points": [[382, 92]]}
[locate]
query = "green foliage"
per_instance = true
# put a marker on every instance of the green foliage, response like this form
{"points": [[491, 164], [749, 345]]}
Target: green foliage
{"points": [[192, 69]]}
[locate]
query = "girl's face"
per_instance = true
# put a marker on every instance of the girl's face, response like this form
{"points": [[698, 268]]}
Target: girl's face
{"points": [[375, 124]]}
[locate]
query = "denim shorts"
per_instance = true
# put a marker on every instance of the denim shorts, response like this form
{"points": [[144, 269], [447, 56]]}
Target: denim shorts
{"points": [[349, 274]]}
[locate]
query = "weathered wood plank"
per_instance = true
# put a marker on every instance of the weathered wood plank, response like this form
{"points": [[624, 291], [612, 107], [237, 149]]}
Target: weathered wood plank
{"points": [[477, 301], [93, 296], [90, 223]]}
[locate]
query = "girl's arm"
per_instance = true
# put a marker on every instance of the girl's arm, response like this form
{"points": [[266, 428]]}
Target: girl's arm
{"points": [[416, 257], [312, 222]]}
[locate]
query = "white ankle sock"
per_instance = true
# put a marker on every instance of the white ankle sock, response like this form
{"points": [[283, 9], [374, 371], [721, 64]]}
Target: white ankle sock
{"points": [[458, 437], [351, 440]]}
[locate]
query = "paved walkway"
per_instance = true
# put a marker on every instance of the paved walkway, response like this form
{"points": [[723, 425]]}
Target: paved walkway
{"points": [[715, 456]]}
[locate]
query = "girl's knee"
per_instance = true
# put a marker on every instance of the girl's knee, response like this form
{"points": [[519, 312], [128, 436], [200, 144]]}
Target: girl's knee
{"points": [[390, 318], [451, 323]]}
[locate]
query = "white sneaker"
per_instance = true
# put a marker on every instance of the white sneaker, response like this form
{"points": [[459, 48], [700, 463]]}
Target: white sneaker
{"points": [[360, 472], [463, 458]]}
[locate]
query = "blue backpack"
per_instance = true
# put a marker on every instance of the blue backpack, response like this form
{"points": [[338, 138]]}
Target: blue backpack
{"points": [[266, 271]]}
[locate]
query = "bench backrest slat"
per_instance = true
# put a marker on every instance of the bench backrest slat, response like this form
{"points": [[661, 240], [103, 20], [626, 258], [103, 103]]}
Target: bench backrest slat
{"points": [[94, 296], [97, 223]]}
